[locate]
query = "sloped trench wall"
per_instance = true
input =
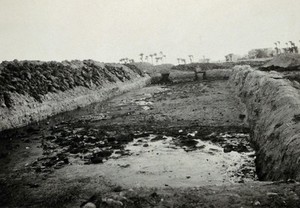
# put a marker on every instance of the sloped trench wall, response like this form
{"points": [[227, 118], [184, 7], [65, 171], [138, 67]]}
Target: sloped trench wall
{"points": [[273, 106], [31, 91]]}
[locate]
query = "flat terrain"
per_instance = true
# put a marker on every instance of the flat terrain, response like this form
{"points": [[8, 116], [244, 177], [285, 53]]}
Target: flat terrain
{"points": [[179, 145]]}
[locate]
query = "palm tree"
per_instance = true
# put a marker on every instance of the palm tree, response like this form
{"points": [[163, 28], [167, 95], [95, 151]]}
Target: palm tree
{"points": [[151, 56], [155, 54], [157, 59], [278, 43], [276, 48], [162, 56], [279, 46], [191, 58], [141, 55]]}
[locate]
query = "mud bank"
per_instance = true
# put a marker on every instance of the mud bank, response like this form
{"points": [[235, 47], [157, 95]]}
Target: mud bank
{"points": [[273, 114], [32, 90]]}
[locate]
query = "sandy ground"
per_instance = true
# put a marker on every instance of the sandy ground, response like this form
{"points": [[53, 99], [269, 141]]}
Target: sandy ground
{"points": [[68, 160]]}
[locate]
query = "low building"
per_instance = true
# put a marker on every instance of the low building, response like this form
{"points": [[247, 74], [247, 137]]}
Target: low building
{"points": [[232, 57]]}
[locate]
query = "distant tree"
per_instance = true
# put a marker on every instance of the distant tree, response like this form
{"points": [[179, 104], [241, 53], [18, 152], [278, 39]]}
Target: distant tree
{"points": [[151, 56], [164, 56], [184, 61], [293, 47], [276, 48], [141, 56], [157, 59], [146, 58], [278, 43], [178, 59], [191, 58]]}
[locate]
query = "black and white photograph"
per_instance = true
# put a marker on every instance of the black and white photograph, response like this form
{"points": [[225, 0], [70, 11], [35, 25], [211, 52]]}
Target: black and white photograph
{"points": [[149, 103]]}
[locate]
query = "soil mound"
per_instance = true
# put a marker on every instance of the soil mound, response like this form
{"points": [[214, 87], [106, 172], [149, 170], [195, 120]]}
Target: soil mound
{"points": [[32, 90], [282, 62], [273, 114], [37, 78], [151, 69], [221, 65]]}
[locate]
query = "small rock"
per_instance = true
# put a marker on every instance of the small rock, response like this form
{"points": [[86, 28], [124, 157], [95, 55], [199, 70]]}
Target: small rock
{"points": [[33, 185], [146, 145], [97, 160], [124, 166], [256, 203], [154, 194], [291, 181], [118, 189], [89, 205], [228, 148], [272, 194], [157, 138], [242, 116], [112, 202]]}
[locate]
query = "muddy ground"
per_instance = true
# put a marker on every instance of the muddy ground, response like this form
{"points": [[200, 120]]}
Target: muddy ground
{"points": [[174, 145]]}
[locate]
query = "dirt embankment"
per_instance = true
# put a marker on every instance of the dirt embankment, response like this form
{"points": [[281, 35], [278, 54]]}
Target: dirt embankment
{"points": [[221, 65], [33, 90], [283, 62], [274, 117]]}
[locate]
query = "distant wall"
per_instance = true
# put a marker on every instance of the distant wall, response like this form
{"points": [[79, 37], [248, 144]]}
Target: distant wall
{"points": [[273, 106], [32, 90]]}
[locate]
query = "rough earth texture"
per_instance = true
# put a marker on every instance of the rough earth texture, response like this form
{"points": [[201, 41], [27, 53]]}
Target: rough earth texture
{"points": [[274, 117], [32, 90], [283, 62]]}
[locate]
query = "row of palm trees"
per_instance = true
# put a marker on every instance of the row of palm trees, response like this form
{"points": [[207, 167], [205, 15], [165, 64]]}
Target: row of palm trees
{"points": [[191, 59], [290, 47], [182, 60], [126, 60], [156, 56]]}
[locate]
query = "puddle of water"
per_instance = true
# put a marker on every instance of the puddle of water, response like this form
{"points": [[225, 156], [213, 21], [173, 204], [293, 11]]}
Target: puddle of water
{"points": [[164, 163]]}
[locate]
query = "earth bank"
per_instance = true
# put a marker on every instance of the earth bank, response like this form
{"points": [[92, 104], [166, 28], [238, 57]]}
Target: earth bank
{"points": [[272, 104], [31, 91]]}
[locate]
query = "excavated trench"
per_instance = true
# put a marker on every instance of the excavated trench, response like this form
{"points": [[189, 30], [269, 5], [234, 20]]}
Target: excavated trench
{"points": [[183, 134]]}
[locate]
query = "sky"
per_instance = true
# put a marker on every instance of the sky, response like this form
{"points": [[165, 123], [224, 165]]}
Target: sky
{"points": [[108, 30]]}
